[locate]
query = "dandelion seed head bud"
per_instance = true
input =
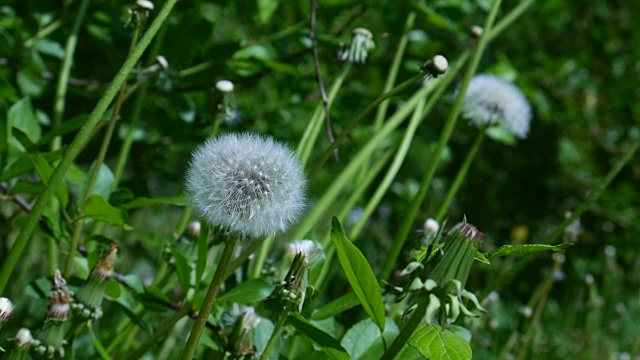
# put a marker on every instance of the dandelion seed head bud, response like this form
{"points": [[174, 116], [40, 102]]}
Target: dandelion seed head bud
{"points": [[492, 101], [104, 267], [162, 61], [145, 4], [23, 338], [6, 310], [224, 86], [250, 184], [431, 226], [60, 298], [193, 229], [589, 280], [476, 31], [526, 311], [435, 66]]}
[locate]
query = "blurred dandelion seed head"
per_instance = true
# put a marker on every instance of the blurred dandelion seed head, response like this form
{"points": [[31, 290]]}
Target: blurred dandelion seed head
{"points": [[358, 49], [492, 101], [250, 184]]}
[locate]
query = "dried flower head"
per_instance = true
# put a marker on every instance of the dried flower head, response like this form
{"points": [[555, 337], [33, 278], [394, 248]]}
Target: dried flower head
{"points": [[6, 309], [492, 101], [60, 298], [358, 50], [250, 184]]}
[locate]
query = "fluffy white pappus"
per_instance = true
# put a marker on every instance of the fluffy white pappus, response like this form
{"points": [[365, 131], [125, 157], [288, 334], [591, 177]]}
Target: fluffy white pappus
{"points": [[250, 184], [492, 101]]}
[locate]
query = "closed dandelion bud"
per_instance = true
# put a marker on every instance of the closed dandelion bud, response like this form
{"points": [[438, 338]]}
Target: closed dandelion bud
{"points": [[476, 31], [492, 101], [91, 294], [358, 50], [60, 299], [291, 290], [435, 66], [459, 250], [6, 310], [23, 338], [246, 183], [240, 339]]}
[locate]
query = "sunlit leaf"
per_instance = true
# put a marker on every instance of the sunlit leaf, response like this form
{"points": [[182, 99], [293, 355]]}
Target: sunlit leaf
{"points": [[434, 343]]}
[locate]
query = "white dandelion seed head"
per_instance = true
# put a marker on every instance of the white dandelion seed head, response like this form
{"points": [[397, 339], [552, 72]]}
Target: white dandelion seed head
{"points": [[492, 101], [305, 247], [250, 184], [224, 86]]}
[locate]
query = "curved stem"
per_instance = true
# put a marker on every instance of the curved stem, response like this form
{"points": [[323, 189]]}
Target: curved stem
{"points": [[77, 145], [162, 331], [405, 227], [457, 182], [207, 304]]}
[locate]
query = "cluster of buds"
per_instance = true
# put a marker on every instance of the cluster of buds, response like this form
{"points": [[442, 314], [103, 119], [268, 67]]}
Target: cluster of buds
{"points": [[245, 321], [443, 277], [358, 50], [89, 298]]}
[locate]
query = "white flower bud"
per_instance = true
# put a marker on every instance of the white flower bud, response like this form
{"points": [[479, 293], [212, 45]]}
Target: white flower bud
{"points": [[431, 226], [145, 4], [224, 86], [6, 309]]}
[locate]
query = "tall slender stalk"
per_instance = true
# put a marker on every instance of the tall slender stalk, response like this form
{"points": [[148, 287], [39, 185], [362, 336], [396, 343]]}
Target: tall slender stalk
{"points": [[405, 227], [207, 304], [462, 173], [77, 145]]}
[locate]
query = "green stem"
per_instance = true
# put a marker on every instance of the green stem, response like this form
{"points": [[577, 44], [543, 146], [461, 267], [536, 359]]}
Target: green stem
{"points": [[392, 171], [405, 227], [162, 331], [274, 335], [97, 164], [462, 173], [261, 258], [207, 304], [77, 145], [347, 130], [44, 32], [408, 329]]}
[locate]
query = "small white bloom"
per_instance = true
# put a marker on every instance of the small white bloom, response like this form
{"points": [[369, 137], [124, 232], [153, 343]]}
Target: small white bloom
{"points": [[248, 183], [224, 86], [431, 226], [358, 50], [492, 101], [23, 338], [6, 309], [145, 4]]}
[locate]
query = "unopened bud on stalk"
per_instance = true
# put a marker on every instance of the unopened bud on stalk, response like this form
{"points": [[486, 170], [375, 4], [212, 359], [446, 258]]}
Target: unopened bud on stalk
{"points": [[291, 290], [459, 250], [91, 294], [60, 299], [431, 226], [6, 310], [193, 230], [23, 338], [435, 66], [476, 31]]}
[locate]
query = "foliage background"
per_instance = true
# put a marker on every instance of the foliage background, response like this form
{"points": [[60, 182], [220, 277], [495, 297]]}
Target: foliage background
{"points": [[577, 62]]}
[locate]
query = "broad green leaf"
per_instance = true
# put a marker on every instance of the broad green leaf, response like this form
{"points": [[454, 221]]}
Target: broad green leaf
{"points": [[505, 250], [337, 306], [102, 185], [99, 209], [359, 274], [500, 134], [433, 343], [144, 201], [266, 8], [481, 258], [29, 76], [44, 170], [250, 291], [362, 341], [24, 164], [324, 341], [21, 116]]}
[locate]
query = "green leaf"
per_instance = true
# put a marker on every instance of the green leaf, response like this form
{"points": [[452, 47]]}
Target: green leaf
{"points": [[337, 306], [183, 269], [362, 341], [500, 134], [433, 343], [21, 116], [505, 250], [144, 201], [44, 170], [102, 185], [250, 291], [324, 341], [66, 127], [481, 258], [99, 209], [359, 274]]}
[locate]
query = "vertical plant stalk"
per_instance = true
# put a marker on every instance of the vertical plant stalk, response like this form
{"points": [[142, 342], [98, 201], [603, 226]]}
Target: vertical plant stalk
{"points": [[282, 319], [97, 164], [391, 79], [408, 329], [77, 145], [59, 105], [207, 304], [462, 173], [162, 331], [316, 65], [405, 227]]}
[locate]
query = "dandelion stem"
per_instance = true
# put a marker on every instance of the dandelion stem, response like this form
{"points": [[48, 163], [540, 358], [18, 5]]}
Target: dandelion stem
{"points": [[408, 329], [77, 145], [162, 331], [207, 304], [405, 227], [282, 319], [462, 173]]}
